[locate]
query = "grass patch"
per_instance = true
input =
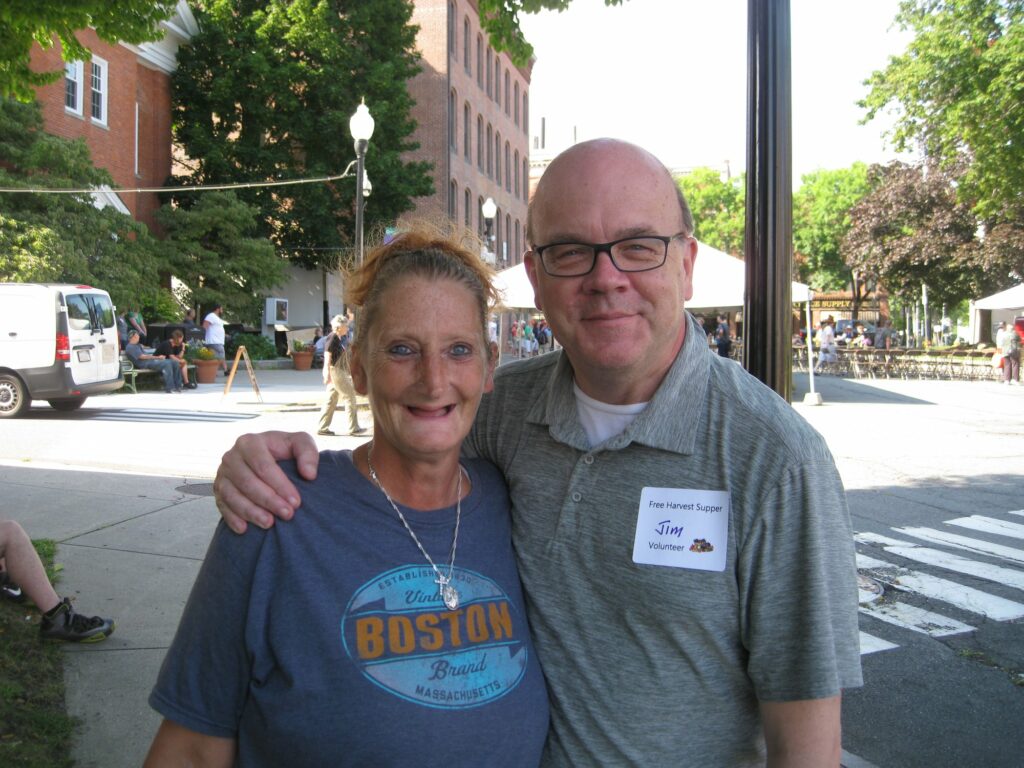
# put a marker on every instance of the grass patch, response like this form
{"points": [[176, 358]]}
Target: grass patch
{"points": [[35, 730]]}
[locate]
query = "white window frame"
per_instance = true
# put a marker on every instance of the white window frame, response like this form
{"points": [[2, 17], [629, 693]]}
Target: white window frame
{"points": [[98, 64], [73, 71]]}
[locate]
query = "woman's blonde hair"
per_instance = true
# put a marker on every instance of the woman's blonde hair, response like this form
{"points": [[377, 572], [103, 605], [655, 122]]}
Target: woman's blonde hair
{"points": [[427, 252]]}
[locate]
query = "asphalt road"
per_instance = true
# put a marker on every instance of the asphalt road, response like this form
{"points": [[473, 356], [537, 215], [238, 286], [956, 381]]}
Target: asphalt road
{"points": [[934, 473]]}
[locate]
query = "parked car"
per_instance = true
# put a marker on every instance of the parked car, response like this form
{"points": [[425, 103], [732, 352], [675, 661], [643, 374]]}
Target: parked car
{"points": [[57, 343]]}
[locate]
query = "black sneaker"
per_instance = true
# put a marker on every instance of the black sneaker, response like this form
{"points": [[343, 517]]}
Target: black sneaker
{"points": [[9, 590], [62, 623]]}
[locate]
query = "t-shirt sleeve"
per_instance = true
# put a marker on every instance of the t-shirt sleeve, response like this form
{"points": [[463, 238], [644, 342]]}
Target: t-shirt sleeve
{"points": [[204, 679], [798, 589]]}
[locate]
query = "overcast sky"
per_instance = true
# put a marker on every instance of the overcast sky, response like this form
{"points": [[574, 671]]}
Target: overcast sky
{"points": [[670, 75]]}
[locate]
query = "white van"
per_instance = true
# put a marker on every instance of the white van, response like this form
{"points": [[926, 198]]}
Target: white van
{"points": [[57, 343]]}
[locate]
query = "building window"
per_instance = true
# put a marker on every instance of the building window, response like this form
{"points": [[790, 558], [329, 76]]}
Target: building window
{"points": [[465, 45], [526, 114], [490, 73], [497, 79], [469, 208], [467, 149], [508, 236], [73, 87], [453, 200], [508, 172], [498, 250], [490, 151], [519, 250], [526, 181], [515, 188], [480, 61], [516, 102], [451, 29], [98, 82], [480, 216], [507, 110], [452, 127], [497, 158], [480, 142]]}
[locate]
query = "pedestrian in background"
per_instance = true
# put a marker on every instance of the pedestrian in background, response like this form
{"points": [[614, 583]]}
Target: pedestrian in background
{"points": [[338, 379]]}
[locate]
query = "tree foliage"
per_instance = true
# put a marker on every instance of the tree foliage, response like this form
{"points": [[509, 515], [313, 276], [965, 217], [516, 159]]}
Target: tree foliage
{"points": [[265, 92], [957, 93], [821, 219], [500, 20], [213, 248], [64, 237], [718, 208], [911, 229], [23, 22]]}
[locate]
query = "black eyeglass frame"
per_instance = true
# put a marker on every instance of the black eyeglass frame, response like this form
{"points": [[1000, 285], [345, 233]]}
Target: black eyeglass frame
{"points": [[607, 248]]}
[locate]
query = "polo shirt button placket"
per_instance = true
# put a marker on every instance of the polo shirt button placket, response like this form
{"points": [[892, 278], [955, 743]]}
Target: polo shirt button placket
{"points": [[588, 459], [576, 496]]}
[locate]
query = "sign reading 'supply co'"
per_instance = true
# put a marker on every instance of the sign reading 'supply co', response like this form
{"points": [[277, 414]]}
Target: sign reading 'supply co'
{"points": [[405, 640]]}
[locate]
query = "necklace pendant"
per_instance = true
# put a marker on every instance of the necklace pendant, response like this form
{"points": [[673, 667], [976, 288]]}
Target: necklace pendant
{"points": [[450, 596]]}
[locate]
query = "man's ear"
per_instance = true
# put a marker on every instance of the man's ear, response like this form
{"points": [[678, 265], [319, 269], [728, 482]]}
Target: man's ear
{"points": [[532, 264]]}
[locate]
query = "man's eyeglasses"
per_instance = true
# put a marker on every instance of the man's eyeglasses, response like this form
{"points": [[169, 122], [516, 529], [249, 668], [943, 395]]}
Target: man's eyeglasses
{"points": [[630, 254]]}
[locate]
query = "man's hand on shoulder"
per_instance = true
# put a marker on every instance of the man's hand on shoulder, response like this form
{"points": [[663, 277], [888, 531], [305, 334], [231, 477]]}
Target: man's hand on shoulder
{"points": [[250, 487]]}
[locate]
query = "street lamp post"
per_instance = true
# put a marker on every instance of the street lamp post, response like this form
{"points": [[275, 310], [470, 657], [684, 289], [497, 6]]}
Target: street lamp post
{"points": [[361, 127], [490, 210]]}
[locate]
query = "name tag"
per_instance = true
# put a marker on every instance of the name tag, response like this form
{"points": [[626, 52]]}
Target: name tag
{"points": [[682, 528]]}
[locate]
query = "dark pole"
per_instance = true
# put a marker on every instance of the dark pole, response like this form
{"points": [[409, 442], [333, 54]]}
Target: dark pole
{"points": [[360, 158], [768, 306]]}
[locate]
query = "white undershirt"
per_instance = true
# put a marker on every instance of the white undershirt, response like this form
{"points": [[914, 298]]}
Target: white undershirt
{"points": [[603, 420]]}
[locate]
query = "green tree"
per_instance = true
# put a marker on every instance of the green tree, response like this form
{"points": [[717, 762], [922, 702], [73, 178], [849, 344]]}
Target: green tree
{"points": [[821, 219], [718, 208], [500, 19], [266, 91], [23, 22], [64, 237], [957, 93], [213, 248], [912, 230]]}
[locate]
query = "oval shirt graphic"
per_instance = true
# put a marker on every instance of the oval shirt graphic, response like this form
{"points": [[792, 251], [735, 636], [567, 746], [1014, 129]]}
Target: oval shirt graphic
{"points": [[401, 635]]}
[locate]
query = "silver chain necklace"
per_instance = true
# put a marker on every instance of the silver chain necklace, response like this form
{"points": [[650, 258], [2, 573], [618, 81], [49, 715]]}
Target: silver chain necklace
{"points": [[449, 595]]}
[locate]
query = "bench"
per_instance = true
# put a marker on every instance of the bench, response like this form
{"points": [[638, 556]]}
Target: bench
{"points": [[131, 373]]}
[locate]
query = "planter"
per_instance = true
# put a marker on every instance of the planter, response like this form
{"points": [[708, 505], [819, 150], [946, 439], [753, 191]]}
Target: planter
{"points": [[206, 371], [302, 361]]}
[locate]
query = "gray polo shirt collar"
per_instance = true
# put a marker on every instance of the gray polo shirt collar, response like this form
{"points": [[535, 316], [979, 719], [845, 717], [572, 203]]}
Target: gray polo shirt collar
{"points": [[670, 420]]}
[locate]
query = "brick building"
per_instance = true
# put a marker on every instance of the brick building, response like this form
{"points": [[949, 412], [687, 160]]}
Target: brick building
{"points": [[120, 103], [472, 111]]}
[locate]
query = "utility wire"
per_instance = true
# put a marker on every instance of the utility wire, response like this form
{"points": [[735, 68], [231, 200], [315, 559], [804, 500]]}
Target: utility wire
{"points": [[199, 188]]}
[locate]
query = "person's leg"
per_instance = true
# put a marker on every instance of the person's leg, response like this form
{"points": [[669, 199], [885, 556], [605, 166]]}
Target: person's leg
{"points": [[175, 367], [327, 412], [347, 389], [1007, 369], [24, 566], [184, 372], [164, 366]]}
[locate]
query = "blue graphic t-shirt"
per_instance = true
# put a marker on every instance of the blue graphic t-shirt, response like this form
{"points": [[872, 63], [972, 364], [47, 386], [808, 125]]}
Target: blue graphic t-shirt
{"points": [[324, 641]]}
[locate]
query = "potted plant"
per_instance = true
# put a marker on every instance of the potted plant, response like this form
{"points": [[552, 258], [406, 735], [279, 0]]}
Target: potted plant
{"points": [[302, 355], [205, 361]]}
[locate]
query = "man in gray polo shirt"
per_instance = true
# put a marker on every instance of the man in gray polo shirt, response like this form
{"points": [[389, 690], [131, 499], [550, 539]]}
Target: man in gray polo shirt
{"points": [[682, 535]]}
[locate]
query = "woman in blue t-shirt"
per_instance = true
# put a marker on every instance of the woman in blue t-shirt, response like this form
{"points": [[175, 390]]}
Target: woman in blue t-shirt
{"points": [[385, 625]]}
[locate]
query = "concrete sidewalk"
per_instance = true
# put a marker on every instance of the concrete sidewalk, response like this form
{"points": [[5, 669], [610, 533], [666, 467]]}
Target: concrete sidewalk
{"points": [[133, 514]]}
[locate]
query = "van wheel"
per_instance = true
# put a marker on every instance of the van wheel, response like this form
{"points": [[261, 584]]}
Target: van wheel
{"points": [[67, 403], [13, 397]]}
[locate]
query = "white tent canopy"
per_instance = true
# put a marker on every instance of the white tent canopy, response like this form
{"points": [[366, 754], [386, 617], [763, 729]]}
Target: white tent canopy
{"points": [[1012, 298], [719, 282]]}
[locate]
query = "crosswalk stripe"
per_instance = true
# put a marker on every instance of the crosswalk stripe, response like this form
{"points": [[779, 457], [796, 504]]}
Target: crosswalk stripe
{"points": [[876, 538], [872, 644], [967, 598], [990, 525], [1008, 576], [916, 619], [963, 542]]}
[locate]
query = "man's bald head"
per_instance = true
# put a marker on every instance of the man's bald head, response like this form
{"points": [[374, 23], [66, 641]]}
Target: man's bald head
{"points": [[597, 151]]}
